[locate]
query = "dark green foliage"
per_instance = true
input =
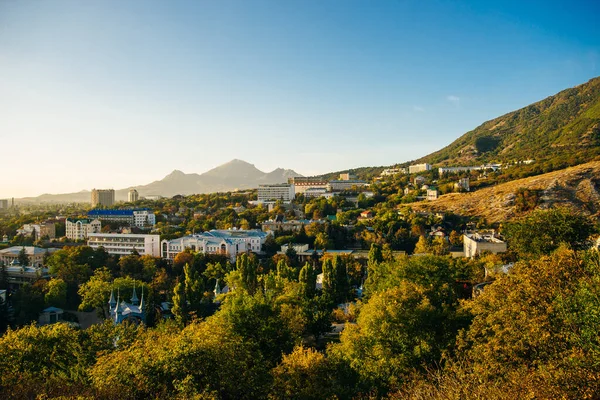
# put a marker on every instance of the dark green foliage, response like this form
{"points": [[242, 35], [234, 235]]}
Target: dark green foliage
{"points": [[543, 231]]}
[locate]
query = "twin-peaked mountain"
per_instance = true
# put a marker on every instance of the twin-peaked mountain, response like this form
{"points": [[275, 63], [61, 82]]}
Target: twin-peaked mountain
{"points": [[236, 174]]}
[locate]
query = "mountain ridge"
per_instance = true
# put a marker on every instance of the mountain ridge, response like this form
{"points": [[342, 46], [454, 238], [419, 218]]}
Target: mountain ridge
{"points": [[233, 175]]}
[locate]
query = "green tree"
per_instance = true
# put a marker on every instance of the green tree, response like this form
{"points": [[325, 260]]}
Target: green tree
{"points": [[95, 292], [23, 258], [543, 231], [308, 280], [180, 306], [56, 293]]}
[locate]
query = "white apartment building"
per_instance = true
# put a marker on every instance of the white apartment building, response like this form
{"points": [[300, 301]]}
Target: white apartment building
{"points": [[344, 184], [123, 244], [283, 191], [79, 229], [476, 243], [133, 196], [229, 242], [44, 229], [432, 193], [141, 218], [419, 168]]}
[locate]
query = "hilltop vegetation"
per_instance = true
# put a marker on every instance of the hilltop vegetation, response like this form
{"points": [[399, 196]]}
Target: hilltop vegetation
{"points": [[561, 128]]}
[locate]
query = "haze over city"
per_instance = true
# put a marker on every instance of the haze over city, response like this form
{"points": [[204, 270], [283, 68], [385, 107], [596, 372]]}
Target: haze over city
{"points": [[114, 94]]}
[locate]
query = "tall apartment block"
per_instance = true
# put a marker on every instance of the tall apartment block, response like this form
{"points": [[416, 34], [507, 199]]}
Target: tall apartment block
{"points": [[103, 197]]}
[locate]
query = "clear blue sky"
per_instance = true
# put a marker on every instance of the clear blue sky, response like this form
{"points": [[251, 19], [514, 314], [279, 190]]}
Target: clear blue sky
{"points": [[118, 93]]}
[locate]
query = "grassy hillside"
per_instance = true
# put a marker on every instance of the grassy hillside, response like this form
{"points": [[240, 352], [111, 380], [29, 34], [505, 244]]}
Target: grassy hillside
{"points": [[577, 187], [561, 129]]}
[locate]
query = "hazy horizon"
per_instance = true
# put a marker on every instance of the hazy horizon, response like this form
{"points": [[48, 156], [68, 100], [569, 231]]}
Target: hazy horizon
{"points": [[116, 94]]}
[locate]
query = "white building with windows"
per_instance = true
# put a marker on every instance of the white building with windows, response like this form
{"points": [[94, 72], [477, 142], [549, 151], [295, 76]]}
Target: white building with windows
{"points": [[283, 191], [123, 244], [412, 169], [229, 242], [79, 229], [142, 217]]}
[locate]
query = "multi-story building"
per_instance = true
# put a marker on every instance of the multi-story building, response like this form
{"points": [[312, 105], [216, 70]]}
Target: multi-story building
{"points": [[462, 184], [133, 196], [283, 191], [412, 169], [103, 197], [46, 229], [344, 184], [229, 242], [477, 243], [141, 217], [123, 244], [10, 256], [3, 204], [316, 192], [302, 184], [432, 193], [79, 229]]}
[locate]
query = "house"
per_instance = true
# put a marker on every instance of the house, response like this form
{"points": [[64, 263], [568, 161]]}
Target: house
{"points": [[432, 193], [51, 315], [477, 243], [366, 214]]}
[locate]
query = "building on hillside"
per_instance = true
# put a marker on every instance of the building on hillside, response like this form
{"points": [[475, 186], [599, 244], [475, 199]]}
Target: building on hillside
{"points": [[462, 185], [393, 171], [133, 196], [477, 243], [103, 197], [10, 256], [282, 191], [413, 169], [46, 229], [79, 229], [347, 177], [140, 217], [432, 193], [419, 180], [123, 244], [153, 197], [285, 226], [226, 242], [317, 192], [302, 184], [339, 185], [133, 312]]}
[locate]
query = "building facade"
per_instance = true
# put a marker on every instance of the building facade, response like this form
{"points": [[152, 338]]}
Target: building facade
{"points": [[3, 204], [283, 191], [103, 197], [133, 196], [338, 185], [432, 193], [477, 243], [46, 229], [228, 242], [123, 244], [412, 169], [79, 229], [10, 256], [142, 217]]}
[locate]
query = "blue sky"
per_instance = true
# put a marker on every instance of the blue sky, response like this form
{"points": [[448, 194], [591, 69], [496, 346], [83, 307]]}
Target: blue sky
{"points": [[119, 93]]}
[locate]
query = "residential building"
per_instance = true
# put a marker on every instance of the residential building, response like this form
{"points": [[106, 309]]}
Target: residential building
{"points": [[412, 169], [477, 243], [419, 180], [133, 196], [432, 193], [283, 191], [316, 192], [230, 242], [393, 171], [103, 197], [140, 217], [346, 184], [3, 204], [10, 256], [285, 226], [153, 197], [123, 244], [347, 177], [462, 185], [79, 229], [302, 184], [46, 229]]}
